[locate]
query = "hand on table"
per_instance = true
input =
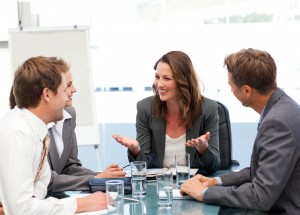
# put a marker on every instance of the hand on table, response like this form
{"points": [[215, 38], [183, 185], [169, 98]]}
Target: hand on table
{"points": [[195, 185], [94, 202], [112, 171]]}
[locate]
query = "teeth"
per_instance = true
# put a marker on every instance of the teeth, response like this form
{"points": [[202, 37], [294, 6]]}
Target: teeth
{"points": [[162, 91]]}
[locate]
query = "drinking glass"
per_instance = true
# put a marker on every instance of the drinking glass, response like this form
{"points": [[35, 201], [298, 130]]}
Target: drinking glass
{"points": [[138, 178], [115, 196], [164, 182], [182, 162]]}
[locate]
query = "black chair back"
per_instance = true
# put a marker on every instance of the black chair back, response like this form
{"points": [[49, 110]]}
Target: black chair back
{"points": [[225, 139]]}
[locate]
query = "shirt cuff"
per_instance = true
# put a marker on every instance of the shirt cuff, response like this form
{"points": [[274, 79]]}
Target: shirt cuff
{"points": [[219, 181], [203, 191]]}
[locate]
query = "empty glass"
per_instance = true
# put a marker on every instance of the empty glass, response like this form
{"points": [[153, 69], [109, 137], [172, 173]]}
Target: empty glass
{"points": [[115, 196]]}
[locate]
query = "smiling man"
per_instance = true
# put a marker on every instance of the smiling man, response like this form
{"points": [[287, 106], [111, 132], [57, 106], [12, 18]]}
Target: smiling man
{"points": [[40, 93]]}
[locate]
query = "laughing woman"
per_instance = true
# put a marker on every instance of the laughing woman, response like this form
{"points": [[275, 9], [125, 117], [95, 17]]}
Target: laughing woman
{"points": [[176, 119]]}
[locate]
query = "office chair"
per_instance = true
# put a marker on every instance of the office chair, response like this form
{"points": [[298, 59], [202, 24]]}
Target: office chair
{"points": [[225, 139]]}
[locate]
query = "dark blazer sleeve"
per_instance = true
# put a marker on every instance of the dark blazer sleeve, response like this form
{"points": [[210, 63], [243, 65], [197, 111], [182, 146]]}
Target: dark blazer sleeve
{"points": [[236, 178], [143, 130], [207, 121], [68, 172]]}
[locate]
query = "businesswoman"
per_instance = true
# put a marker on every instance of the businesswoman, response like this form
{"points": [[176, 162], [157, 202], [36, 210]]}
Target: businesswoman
{"points": [[176, 119]]}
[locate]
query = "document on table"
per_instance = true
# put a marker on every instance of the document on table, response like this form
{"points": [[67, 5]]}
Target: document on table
{"points": [[152, 172], [177, 195]]}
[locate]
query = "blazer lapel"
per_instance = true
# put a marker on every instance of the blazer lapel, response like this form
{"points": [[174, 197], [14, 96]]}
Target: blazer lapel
{"points": [[159, 129], [66, 140], [53, 153]]}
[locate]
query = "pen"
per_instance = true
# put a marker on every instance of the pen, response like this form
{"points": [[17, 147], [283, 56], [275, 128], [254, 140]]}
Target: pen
{"points": [[129, 199], [125, 166]]}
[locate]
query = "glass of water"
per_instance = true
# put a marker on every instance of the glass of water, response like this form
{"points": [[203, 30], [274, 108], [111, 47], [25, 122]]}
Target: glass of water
{"points": [[115, 196], [164, 182], [138, 178], [182, 162]]}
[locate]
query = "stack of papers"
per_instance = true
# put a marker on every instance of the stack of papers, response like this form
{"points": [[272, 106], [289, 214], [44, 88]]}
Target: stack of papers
{"points": [[177, 195], [152, 172]]}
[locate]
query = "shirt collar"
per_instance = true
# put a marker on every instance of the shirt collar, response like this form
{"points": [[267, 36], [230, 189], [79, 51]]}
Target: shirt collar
{"points": [[36, 123], [66, 116]]}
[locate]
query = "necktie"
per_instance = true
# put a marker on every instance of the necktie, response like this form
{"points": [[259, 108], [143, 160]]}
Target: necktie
{"points": [[46, 143]]}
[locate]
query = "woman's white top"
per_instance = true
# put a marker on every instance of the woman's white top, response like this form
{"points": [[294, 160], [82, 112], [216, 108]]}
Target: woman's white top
{"points": [[173, 146]]}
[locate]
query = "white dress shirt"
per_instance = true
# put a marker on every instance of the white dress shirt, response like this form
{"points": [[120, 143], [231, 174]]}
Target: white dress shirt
{"points": [[57, 130], [21, 136]]}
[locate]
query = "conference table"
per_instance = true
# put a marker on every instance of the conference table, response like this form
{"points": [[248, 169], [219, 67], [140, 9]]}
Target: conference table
{"points": [[148, 204]]}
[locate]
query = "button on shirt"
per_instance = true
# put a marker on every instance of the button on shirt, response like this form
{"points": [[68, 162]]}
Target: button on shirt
{"points": [[21, 135]]}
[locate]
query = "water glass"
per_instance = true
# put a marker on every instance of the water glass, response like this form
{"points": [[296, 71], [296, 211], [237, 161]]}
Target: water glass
{"points": [[164, 211], [140, 207], [182, 162], [164, 182], [115, 196], [138, 178]]}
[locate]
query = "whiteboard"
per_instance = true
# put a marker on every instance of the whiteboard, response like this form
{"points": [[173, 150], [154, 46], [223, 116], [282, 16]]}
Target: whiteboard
{"points": [[72, 44], [68, 43]]}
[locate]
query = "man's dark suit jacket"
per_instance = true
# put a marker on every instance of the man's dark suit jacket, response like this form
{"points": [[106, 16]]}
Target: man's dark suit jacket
{"points": [[272, 183], [67, 171]]}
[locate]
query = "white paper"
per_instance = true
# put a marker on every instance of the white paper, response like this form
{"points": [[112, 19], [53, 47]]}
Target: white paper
{"points": [[152, 172], [177, 195]]}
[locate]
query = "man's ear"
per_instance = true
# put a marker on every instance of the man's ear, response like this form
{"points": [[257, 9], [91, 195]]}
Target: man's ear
{"points": [[247, 90], [46, 94]]}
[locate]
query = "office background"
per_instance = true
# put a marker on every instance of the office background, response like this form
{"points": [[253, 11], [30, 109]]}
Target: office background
{"points": [[128, 36]]}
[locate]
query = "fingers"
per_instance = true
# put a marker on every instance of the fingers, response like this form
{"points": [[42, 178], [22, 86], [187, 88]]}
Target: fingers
{"points": [[192, 142], [182, 192], [207, 136], [113, 165], [199, 177], [111, 173], [116, 136], [119, 174]]}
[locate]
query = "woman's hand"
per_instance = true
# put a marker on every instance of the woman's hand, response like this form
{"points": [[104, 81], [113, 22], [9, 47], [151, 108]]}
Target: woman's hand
{"points": [[132, 145], [200, 143], [112, 171]]}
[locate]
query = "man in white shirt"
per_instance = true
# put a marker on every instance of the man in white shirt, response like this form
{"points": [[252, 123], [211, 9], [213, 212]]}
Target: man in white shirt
{"points": [[40, 93]]}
